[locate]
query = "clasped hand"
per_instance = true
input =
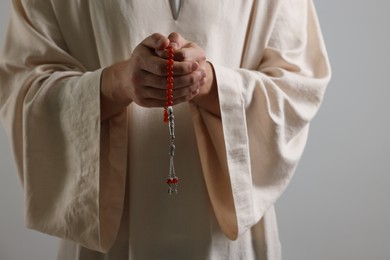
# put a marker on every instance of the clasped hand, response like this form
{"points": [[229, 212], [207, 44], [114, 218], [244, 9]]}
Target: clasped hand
{"points": [[148, 70], [142, 78]]}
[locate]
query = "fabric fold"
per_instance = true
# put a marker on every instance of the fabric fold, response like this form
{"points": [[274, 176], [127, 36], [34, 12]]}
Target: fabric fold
{"points": [[50, 107], [266, 107]]}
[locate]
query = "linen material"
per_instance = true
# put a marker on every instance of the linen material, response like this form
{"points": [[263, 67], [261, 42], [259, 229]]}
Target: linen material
{"points": [[266, 107], [50, 107]]}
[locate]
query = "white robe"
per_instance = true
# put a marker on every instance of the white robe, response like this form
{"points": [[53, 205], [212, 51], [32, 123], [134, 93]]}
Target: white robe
{"points": [[271, 69]]}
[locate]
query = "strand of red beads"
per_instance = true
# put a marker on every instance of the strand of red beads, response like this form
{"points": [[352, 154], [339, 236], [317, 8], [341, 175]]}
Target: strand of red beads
{"points": [[169, 90]]}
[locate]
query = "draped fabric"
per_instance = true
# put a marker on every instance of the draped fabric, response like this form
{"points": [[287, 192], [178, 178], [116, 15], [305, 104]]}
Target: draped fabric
{"points": [[271, 69]]}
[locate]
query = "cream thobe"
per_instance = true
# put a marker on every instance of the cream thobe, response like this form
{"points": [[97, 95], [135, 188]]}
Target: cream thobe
{"points": [[271, 70]]}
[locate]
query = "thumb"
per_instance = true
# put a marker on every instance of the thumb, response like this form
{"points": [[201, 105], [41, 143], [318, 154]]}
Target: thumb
{"points": [[177, 41], [156, 41]]}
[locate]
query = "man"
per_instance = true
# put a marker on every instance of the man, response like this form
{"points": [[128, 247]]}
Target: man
{"points": [[82, 91]]}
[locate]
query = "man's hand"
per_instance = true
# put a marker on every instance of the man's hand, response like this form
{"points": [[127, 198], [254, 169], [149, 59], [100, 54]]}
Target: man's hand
{"points": [[148, 75]]}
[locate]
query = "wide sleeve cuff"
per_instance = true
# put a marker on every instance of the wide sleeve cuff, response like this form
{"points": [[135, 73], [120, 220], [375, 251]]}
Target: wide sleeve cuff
{"points": [[74, 167], [224, 153]]}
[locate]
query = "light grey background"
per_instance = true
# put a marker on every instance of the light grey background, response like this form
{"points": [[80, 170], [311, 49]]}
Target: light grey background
{"points": [[337, 206]]}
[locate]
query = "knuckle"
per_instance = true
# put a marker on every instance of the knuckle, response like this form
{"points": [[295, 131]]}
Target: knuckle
{"points": [[193, 79], [189, 96], [194, 87], [181, 55]]}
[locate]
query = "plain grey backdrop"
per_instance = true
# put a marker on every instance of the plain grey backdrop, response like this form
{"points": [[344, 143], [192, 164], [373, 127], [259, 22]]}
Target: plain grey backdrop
{"points": [[337, 206]]}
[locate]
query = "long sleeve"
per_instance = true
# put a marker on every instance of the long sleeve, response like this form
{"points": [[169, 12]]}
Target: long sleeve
{"points": [[50, 108], [249, 154]]}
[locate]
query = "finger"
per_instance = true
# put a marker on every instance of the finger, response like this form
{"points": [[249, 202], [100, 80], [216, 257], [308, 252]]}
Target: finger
{"points": [[157, 98], [158, 66], [189, 53], [160, 82], [150, 102], [151, 96], [177, 41], [190, 95], [161, 94], [156, 41], [185, 67], [189, 79], [185, 91]]}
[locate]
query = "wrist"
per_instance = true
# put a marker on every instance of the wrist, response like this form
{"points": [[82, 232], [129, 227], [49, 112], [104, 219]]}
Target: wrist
{"points": [[114, 96], [208, 93], [112, 85]]}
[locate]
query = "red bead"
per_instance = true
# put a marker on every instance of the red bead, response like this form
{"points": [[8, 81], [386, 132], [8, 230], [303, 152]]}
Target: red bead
{"points": [[174, 180], [170, 51], [169, 91]]}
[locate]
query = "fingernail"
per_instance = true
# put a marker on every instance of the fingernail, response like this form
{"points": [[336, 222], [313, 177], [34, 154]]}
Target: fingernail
{"points": [[174, 45]]}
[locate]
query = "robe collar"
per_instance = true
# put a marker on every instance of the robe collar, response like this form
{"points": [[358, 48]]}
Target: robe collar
{"points": [[175, 8]]}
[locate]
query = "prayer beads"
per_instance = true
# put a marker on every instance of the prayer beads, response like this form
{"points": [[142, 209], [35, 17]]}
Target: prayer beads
{"points": [[172, 180]]}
